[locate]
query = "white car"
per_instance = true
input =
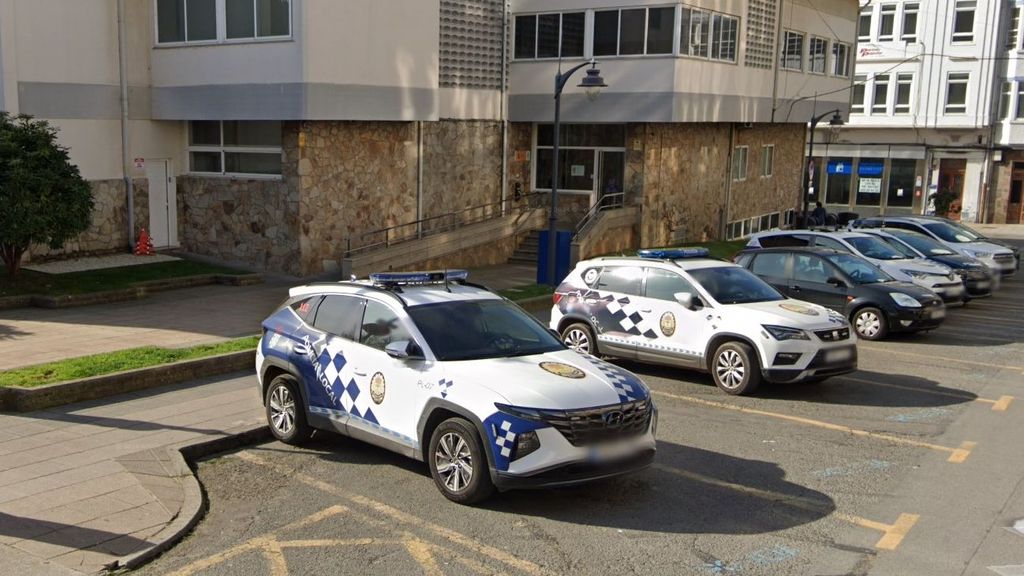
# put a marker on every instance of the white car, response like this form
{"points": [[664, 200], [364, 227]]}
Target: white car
{"points": [[926, 274], [447, 372], [680, 308]]}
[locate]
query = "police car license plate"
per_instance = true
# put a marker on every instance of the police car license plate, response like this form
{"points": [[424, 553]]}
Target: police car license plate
{"points": [[838, 355], [610, 451], [937, 313]]}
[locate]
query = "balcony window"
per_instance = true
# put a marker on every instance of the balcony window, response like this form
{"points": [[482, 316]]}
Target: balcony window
{"points": [[963, 20], [817, 56], [793, 51], [908, 32], [886, 22], [956, 92], [881, 94], [186, 21], [235, 148], [904, 85], [549, 35]]}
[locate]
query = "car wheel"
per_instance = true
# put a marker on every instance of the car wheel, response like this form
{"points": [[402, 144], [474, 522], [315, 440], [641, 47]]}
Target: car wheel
{"points": [[734, 368], [458, 463], [870, 323], [579, 337], [285, 414]]}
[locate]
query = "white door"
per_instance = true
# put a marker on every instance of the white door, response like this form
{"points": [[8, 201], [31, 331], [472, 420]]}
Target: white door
{"points": [[163, 204]]}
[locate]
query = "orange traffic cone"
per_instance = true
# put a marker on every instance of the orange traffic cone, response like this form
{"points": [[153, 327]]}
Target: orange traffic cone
{"points": [[144, 247]]}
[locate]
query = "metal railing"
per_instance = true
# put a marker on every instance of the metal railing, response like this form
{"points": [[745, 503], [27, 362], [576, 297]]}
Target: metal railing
{"points": [[606, 202], [425, 227]]}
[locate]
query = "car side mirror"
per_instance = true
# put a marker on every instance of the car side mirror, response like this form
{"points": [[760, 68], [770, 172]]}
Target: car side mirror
{"points": [[686, 300], [555, 334], [837, 282], [403, 350]]}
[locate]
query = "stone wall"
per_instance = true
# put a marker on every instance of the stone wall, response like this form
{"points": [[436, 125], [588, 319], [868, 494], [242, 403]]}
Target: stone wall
{"points": [[461, 169], [999, 189], [756, 195]]}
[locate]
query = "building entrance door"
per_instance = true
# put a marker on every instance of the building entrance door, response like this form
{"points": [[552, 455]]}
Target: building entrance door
{"points": [[1015, 204], [609, 184], [951, 177], [163, 204]]}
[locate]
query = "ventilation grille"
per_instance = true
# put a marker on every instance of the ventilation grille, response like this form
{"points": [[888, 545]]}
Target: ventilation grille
{"points": [[761, 15], [471, 42]]}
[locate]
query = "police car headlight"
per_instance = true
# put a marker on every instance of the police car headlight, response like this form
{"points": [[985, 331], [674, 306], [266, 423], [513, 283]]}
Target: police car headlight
{"points": [[781, 333], [904, 300], [526, 443]]}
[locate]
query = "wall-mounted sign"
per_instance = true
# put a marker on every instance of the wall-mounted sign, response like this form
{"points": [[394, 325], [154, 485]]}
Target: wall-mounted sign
{"points": [[869, 185], [140, 163], [578, 170], [869, 51], [838, 167]]}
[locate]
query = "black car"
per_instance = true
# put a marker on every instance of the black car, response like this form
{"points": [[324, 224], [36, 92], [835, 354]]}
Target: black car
{"points": [[875, 303], [978, 280]]}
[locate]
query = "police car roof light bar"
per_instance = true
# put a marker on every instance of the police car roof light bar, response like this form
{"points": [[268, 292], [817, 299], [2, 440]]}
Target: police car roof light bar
{"points": [[411, 278], [673, 253]]}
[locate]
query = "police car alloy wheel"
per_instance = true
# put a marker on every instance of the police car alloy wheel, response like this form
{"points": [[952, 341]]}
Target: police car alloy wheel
{"points": [[285, 415], [734, 368], [870, 323], [580, 338], [457, 462]]}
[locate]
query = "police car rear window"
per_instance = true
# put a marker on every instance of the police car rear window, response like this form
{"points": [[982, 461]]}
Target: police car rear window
{"points": [[303, 307]]}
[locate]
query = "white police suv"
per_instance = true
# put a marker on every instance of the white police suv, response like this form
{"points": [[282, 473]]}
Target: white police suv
{"points": [[680, 308], [444, 371]]}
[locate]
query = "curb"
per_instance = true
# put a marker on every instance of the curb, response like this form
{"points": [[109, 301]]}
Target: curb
{"points": [[535, 304], [194, 506], [134, 292], [29, 399]]}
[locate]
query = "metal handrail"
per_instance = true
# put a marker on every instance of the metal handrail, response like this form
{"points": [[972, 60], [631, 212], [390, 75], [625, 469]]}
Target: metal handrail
{"points": [[424, 227], [606, 202]]}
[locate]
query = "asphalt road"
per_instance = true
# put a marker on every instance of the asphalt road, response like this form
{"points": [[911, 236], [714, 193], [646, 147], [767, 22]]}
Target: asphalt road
{"points": [[913, 465]]}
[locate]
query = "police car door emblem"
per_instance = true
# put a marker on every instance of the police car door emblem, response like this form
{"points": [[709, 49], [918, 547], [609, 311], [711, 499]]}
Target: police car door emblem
{"points": [[590, 276], [377, 388], [668, 324]]}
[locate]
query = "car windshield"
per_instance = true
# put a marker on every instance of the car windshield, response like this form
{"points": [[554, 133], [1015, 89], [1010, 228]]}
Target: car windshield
{"points": [[734, 285], [858, 269], [476, 329], [900, 247], [967, 230], [950, 233], [872, 247], [924, 244]]}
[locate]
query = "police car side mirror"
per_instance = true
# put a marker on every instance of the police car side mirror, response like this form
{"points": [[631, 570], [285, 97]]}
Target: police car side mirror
{"points": [[403, 350], [685, 300], [555, 334]]}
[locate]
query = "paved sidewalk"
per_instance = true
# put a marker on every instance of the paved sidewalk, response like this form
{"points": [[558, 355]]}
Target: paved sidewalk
{"points": [[86, 485]]}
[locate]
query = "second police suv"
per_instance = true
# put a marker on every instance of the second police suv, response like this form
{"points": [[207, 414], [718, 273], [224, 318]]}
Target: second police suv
{"points": [[447, 372], [678, 307]]}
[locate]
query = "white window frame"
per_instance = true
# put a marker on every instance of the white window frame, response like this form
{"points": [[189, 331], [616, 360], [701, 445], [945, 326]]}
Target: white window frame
{"points": [[767, 160], [1013, 33], [882, 108], [222, 150], [740, 158], [862, 81], [785, 49], [910, 8], [890, 11], [824, 55], [963, 6], [903, 79], [618, 37], [961, 78], [1006, 97], [869, 14], [845, 72], [536, 35], [1018, 111], [222, 28]]}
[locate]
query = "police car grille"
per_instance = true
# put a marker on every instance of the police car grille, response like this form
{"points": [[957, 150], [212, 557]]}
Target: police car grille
{"points": [[585, 427], [834, 335]]}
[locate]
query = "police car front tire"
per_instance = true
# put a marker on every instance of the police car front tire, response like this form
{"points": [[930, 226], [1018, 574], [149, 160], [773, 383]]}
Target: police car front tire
{"points": [[734, 368], [458, 463], [579, 337], [285, 415]]}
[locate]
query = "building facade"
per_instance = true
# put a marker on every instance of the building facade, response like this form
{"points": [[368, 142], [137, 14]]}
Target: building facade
{"points": [[932, 111], [277, 133]]}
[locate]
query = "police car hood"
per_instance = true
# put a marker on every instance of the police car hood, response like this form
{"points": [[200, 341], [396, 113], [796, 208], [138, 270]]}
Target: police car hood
{"points": [[561, 380], [790, 313]]}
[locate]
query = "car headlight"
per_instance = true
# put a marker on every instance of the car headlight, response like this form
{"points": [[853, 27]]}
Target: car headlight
{"points": [[524, 413], [526, 443], [978, 254], [781, 333], [904, 300]]}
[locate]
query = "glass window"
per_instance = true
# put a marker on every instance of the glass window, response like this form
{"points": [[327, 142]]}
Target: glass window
{"points": [[777, 240], [241, 18], [901, 182], [592, 135], [904, 85], [339, 315], [631, 31], [170, 18], [252, 133], [526, 37], [921, 243], [381, 326], [872, 247], [664, 285], [573, 25], [547, 35], [908, 32], [575, 169], [840, 175], [881, 94], [606, 33], [1005, 97], [200, 20], [197, 20], [700, 31], [273, 18], [793, 51], [252, 163], [864, 25], [723, 42], [205, 162], [956, 92], [840, 59], [1013, 30], [830, 243], [818, 54], [1019, 115], [235, 147], [810, 268], [869, 181], [204, 133], [734, 285], [770, 264], [859, 270], [621, 279], [739, 163], [660, 29], [963, 20], [767, 160], [472, 330], [304, 307], [886, 22], [857, 94]]}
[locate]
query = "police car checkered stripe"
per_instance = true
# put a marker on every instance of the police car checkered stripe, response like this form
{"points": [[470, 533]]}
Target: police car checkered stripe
{"points": [[628, 317], [443, 385], [505, 438], [625, 385], [363, 423]]}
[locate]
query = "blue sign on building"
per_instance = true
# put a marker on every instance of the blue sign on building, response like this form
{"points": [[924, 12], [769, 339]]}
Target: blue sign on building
{"points": [[839, 167], [870, 168]]}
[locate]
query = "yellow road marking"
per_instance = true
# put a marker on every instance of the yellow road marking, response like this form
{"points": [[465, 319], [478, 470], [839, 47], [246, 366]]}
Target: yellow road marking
{"points": [[398, 515], [932, 358], [333, 542], [892, 534], [271, 550], [999, 405], [957, 455], [420, 551]]}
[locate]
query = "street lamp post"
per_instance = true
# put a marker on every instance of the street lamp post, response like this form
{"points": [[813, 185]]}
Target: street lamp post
{"points": [[835, 122], [592, 83]]}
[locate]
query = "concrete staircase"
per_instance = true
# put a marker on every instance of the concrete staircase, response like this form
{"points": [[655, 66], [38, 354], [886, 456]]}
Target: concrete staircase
{"points": [[526, 251]]}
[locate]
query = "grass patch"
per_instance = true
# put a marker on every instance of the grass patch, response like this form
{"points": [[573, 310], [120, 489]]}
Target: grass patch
{"points": [[111, 362], [30, 282], [527, 291]]}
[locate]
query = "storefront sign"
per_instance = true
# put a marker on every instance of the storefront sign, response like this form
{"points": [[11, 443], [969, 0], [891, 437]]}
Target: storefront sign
{"points": [[838, 167], [870, 186], [870, 168]]}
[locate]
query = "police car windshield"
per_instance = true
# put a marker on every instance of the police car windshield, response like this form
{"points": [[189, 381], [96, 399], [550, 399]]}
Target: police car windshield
{"points": [[951, 233], [924, 244], [477, 329], [872, 247], [734, 285], [858, 269]]}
